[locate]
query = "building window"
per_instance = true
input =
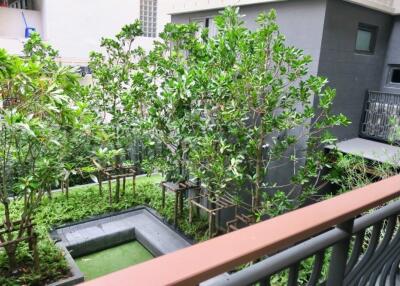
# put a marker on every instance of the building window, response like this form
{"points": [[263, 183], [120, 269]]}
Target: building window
{"points": [[395, 78], [394, 75], [208, 23], [366, 38], [148, 17]]}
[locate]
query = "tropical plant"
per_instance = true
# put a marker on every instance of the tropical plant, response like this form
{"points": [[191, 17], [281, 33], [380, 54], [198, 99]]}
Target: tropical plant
{"points": [[37, 105], [114, 97], [239, 108], [170, 97]]}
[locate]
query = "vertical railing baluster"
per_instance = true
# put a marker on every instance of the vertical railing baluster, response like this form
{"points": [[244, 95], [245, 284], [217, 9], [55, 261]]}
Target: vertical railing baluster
{"points": [[265, 282], [381, 260], [357, 249], [375, 264], [317, 269], [360, 268], [340, 252], [394, 271], [293, 274]]}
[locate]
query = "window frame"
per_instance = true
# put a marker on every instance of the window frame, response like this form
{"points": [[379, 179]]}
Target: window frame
{"points": [[372, 44], [389, 82]]}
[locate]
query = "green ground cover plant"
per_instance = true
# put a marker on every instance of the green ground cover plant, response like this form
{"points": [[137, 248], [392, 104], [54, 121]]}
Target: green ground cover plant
{"points": [[83, 202], [349, 172]]}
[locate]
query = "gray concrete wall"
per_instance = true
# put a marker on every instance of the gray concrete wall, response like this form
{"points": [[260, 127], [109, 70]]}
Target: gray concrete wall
{"points": [[351, 73], [392, 57], [301, 21]]}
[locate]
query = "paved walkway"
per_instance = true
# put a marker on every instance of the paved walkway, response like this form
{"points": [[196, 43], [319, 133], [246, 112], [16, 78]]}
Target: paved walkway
{"points": [[372, 150]]}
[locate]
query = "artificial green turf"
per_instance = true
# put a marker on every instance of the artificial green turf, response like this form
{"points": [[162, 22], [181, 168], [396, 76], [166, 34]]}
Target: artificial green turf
{"points": [[112, 259]]}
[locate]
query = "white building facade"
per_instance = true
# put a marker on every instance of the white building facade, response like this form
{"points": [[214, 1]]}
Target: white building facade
{"points": [[75, 27]]}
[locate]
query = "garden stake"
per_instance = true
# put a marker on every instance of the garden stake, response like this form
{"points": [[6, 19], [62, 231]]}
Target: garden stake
{"points": [[163, 195], [123, 185], [100, 184], [117, 187], [133, 183], [110, 191]]}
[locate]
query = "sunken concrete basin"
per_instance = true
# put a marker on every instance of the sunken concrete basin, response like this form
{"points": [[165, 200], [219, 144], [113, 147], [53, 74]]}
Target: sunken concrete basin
{"points": [[98, 233]]}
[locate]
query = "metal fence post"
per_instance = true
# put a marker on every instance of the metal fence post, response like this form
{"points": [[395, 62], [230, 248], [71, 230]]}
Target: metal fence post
{"points": [[340, 252]]}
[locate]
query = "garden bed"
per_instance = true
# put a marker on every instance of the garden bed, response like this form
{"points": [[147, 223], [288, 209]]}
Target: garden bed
{"points": [[100, 236], [83, 203]]}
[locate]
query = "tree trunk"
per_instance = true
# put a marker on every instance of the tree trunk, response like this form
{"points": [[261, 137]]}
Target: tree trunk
{"points": [[48, 190], [12, 257], [7, 221], [256, 198], [259, 177], [35, 252], [67, 188], [133, 184], [211, 219]]}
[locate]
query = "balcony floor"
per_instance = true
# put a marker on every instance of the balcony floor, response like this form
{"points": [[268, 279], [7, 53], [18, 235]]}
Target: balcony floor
{"points": [[371, 150]]}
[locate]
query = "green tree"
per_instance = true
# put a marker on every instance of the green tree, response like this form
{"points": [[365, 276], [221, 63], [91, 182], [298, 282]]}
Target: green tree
{"points": [[263, 109], [37, 104], [170, 97], [114, 97], [237, 105]]}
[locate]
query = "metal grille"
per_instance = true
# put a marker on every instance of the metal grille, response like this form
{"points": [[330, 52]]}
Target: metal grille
{"points": [[381, 117], [148, 17]]}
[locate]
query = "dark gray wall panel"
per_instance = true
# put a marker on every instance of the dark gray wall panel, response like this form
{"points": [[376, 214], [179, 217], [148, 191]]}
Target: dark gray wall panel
{"points": [[301, 21], [392, 57], [349, 72]]}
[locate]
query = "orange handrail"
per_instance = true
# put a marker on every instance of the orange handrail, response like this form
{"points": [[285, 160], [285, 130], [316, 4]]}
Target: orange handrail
{"points": [[195, 264]]}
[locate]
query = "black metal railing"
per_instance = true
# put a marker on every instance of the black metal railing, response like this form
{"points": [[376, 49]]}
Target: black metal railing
{"points": [[364, 251]]}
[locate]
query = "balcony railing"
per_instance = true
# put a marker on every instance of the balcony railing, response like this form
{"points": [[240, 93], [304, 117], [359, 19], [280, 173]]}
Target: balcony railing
{"points": [[21, 4], [352, 239]]}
